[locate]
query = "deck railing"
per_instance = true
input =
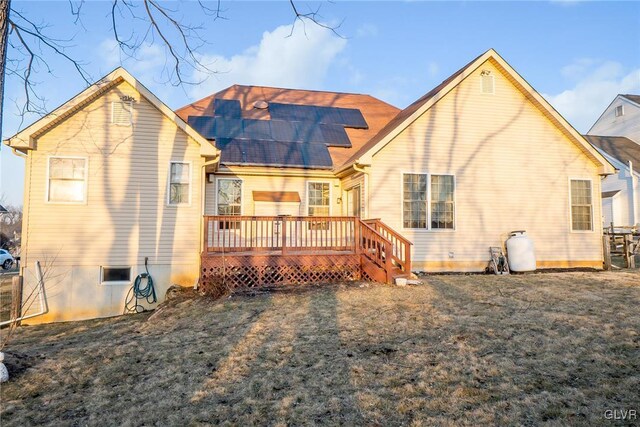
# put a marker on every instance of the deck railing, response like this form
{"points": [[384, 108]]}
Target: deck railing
{"points": [[401, 247], [282, 235]]}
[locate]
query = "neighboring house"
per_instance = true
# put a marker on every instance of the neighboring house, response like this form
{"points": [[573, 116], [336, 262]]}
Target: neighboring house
{"points": [[620, 192], [620, 118], [114, 176]]}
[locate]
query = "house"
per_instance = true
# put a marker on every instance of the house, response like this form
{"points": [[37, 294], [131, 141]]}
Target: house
{"points": [[616, 134], [620, 192], [256, 185], [620, 118]]}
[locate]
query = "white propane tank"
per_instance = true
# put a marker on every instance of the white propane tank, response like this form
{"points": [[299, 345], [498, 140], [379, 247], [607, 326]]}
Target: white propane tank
{"points": [[520, 252]]}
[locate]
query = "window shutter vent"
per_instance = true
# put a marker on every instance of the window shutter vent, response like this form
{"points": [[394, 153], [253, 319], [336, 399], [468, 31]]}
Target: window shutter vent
{"points": [[487, 83], [122, 113]]}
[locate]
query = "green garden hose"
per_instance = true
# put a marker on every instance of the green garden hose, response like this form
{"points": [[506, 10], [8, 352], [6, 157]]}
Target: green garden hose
{"points": [[139, 291]]}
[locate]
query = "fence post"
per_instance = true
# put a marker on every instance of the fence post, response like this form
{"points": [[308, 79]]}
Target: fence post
{"points": [[606, 251], [628, 251], [16, 298]]}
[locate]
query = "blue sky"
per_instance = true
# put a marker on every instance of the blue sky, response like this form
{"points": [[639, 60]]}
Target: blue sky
{"points": [[579, 55]]}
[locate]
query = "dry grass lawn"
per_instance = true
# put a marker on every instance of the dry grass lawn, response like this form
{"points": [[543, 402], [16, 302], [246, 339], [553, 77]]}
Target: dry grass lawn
{"points": [[538, 349]]}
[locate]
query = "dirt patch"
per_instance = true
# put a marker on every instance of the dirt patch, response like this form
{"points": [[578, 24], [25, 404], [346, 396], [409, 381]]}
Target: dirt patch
{"points": [[551, 349]]}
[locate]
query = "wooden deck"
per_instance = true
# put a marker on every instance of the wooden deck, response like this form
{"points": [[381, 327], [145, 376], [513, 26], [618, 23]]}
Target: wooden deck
{"points": [[242, 251]]}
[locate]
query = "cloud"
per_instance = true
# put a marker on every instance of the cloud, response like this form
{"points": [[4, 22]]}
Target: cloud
{"points": [[596, 83], [282, 58]]}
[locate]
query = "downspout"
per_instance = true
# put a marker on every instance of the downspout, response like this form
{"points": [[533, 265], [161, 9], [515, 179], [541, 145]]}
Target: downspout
{"points": [[366, 187], [634, 189]]}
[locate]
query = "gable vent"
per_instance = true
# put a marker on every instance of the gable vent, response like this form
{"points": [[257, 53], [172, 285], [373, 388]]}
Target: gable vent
{"points": [[487, 82], [620, 111], [122, 113]]}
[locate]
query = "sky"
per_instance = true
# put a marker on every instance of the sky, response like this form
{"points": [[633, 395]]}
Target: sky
{"points": [[577, 54]]}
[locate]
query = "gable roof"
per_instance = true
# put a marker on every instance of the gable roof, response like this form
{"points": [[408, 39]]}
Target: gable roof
{"points": [[3, 209], [25, 139], [414, 111], [376, 113], [619, 147], [632, 98]]}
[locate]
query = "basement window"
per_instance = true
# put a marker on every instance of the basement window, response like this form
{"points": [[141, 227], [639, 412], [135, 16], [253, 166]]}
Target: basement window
{"points": [[115, 275], [122, 113], [620, 111]]}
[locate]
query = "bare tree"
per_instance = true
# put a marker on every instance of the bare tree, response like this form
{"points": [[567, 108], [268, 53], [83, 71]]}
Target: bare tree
{"points": [[26, 44]]}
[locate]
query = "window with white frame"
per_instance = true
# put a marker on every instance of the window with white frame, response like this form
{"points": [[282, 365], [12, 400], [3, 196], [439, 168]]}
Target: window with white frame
{"points": [[581, 205], [318, 198], [428, 201], [122, 113], [620, 110], [229, 201], [229, 196], [67, 179], [179, 183], [442, 203]]}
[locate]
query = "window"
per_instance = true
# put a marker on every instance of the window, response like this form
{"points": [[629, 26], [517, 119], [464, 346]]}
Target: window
{"points": [[581, 205], [115, 275], [442, 203], [620, 111], [122, 113], [487, 82], [229, 201], [318, 203], [428, 201], [179, 183], [318, 198], [414, 212], [67, 180]]}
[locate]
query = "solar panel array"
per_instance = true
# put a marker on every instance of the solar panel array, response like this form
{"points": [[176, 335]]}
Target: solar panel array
{"points": [[296, 136], [347, 117]]}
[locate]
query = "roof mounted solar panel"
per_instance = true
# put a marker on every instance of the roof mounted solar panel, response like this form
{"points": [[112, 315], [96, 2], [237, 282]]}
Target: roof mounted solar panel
{"points": [[334, 135], [256, 129], [352, 118], [204, 125], [274, 153], [228, 108], [347, 117]]}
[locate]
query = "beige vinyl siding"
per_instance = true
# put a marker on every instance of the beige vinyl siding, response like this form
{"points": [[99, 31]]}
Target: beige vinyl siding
{"points": [[126, 216], [512, 168], [252, 183]]}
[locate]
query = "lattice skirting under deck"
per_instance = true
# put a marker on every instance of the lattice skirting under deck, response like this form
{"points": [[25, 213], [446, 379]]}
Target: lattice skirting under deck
{"points": [[236, 271]]}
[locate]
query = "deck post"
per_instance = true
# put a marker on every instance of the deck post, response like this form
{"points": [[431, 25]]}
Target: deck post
{"points": [[283, 234], [205, 243]]}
